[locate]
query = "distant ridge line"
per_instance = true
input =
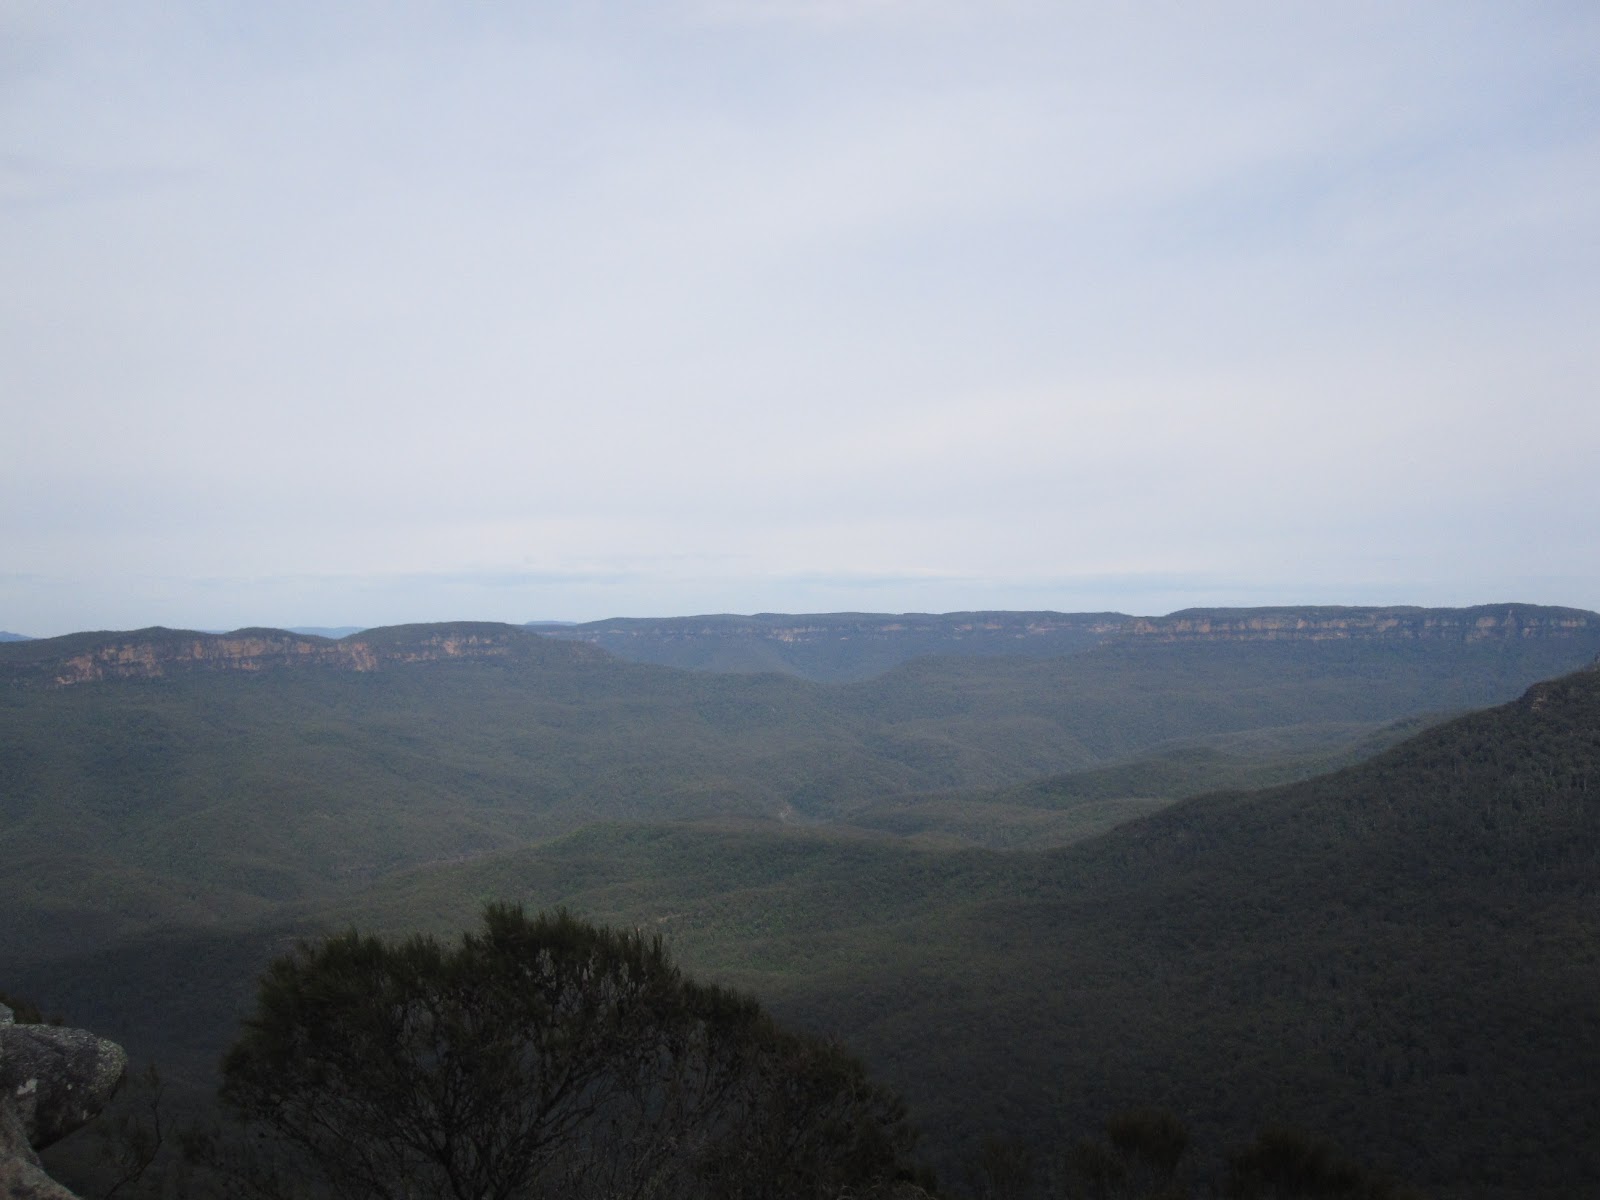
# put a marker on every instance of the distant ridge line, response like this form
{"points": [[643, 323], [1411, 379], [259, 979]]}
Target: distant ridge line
{"points": [[847, 647], [820, 646], [1309, 620], [1348, 619]]}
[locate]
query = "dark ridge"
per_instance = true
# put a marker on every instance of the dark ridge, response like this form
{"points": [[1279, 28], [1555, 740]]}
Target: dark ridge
{"points": [[1400, 954], [1462, 779]]}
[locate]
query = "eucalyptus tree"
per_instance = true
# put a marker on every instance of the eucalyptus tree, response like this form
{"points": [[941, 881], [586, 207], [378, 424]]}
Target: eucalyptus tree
{"points": [[542, 1056]]}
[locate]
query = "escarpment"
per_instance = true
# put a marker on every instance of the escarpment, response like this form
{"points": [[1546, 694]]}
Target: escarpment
{"points": [[830, 647], [158, 652], [1487, 622]]}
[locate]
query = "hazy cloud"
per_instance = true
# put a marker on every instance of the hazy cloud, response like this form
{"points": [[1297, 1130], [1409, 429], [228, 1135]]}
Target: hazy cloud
{"points": [[381, 313]]}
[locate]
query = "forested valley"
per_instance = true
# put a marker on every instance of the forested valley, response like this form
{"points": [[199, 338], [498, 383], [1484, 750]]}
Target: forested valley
{"points": [[1316, 897]]}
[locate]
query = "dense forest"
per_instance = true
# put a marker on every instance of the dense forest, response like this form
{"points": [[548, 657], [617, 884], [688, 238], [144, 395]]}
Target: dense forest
{"points": [[1010, 884]]}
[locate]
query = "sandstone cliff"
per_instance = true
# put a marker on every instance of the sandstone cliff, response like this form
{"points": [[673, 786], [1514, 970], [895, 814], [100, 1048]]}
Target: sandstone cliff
{"points": [[157, 652], [1489, 622]]}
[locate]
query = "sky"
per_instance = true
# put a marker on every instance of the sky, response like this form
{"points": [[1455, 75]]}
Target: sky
{"points": [[368, 313]]}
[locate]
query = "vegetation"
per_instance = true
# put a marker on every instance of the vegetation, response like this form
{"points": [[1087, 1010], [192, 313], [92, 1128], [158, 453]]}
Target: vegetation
{"points": [[1401, 954], [546, 1056]]}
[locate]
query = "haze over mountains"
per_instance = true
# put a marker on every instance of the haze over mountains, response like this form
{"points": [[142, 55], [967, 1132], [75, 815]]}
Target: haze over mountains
{"points": [[960, 842]]}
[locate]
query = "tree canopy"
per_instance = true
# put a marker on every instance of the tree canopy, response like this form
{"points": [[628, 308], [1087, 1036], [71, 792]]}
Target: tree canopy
{"points": [[544, 1056]]}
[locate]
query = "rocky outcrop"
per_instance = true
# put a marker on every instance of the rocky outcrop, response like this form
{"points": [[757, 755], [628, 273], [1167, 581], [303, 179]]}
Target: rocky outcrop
{"points": [[52, 1081]]}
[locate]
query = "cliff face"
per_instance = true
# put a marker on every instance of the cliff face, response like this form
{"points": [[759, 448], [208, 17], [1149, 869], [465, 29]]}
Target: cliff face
{"points": [[147, 659], [154, 653], [1481, 624]]}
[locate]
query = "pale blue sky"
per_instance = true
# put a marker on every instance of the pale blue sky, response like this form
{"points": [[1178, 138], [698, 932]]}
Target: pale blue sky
{"points": [[370, 313]]}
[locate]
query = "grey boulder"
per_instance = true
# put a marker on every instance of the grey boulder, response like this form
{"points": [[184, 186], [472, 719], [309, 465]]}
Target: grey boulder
{"points": [[57, 1079], [52, 1081]]}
